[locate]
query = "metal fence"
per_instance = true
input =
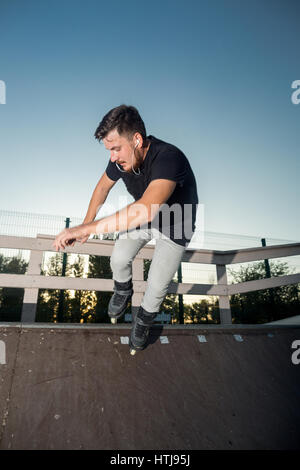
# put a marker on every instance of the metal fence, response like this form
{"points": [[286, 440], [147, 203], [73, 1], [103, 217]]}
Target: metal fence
{"points": [[26, 224], [33, 280]]}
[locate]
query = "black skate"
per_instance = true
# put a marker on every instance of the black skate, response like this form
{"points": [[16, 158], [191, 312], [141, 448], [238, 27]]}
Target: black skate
{"points": [[140, 330], [118, 303]]}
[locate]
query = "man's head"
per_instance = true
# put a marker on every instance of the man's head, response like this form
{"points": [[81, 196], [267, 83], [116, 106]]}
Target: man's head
{"points": [[123, 133]]}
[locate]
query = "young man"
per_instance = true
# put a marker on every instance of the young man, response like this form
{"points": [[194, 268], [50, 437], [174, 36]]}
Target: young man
{"points": [[159, 177]]}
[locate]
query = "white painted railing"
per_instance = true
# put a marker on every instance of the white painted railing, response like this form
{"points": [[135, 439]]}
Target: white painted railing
{"points": [[32, 281]]}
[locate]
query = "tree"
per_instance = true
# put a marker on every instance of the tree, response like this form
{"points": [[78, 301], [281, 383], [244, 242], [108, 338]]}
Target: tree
{"points": [[78, 306], [11, 299], [48, 299], [99, 267], [264, 305]]}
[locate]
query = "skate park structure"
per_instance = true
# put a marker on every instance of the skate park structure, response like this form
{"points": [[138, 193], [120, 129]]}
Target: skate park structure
{"points": [[194, 387]]}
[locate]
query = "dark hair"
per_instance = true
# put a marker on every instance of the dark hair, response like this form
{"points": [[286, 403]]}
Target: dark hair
{"points": [[125, 119]]}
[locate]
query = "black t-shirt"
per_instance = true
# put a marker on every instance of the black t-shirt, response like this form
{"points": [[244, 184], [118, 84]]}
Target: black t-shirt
{"points": [[176, 218]]}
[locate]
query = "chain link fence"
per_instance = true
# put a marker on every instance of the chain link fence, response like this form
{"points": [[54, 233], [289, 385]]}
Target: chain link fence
{"points": [[29, 225], [26, 224]]}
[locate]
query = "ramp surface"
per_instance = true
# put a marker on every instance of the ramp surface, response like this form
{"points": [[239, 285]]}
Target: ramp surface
{"points": [[79, 388]]}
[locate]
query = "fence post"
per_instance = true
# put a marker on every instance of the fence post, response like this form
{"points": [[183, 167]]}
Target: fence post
{"points": [[60, 311], [267, 265], [31, 294], [224, 304], [137, 275], [180, 297], [271, 292]]}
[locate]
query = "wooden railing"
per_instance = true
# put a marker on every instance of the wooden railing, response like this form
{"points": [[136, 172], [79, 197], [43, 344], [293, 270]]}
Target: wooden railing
{"points": [[32, 281]]}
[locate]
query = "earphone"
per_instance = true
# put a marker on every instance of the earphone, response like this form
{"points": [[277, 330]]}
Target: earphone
{"points": [[137, 174]]}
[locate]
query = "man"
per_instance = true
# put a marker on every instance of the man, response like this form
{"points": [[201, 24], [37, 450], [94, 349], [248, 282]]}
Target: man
{"points": [[159, 177]]}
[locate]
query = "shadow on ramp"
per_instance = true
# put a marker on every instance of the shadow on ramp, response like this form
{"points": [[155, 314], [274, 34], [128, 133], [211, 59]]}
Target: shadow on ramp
{"points": [[79, 388]]}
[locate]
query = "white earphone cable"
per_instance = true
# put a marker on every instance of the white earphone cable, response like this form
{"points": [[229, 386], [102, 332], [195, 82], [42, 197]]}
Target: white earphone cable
{"points": [[124, 171]]}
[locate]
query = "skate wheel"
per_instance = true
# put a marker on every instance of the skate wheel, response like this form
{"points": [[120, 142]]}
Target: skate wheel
{"points": [[132, 351], [113, 321]]}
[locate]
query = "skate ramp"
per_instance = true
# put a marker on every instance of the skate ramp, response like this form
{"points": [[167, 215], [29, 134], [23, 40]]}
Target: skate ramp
{"points": [[192, 388]]}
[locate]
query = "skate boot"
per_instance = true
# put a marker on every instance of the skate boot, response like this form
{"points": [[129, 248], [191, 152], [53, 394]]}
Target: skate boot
{"points": [[118, 303], [140, 330]]}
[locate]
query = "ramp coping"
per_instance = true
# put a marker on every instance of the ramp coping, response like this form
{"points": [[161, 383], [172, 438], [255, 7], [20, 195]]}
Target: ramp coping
{"points": [[106, 326]]}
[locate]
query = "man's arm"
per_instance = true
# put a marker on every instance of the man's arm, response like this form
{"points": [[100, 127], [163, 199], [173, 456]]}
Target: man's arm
{"points": [[139, 212], [99, 196], [130, 217]]}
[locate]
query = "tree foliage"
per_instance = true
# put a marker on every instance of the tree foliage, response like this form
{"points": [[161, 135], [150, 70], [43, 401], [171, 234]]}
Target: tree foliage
{"points": [[11, 299], [264, 305]]}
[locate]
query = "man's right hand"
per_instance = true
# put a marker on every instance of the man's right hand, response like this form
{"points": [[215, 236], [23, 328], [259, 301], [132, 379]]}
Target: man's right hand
{"points": [[84, 239], [81, 240]]}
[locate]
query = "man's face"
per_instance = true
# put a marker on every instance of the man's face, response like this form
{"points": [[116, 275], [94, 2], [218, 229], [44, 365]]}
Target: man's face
{"points": [[121, 150]]}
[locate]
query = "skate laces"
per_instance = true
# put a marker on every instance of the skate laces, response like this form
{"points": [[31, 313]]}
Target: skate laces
{"points": [[119, 299], [141, 330]]}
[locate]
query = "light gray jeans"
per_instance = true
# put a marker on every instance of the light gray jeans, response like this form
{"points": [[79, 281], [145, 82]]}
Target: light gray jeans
{"points": [[166, 259]]}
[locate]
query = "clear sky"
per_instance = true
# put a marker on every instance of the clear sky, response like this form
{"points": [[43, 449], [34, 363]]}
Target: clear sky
{"points": [[212, 77]]}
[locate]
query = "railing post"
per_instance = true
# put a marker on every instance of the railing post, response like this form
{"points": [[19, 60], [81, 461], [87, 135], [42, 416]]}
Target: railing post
{"points": [[31, 294], [137, 275], [60, 312], [180, 296], [224, 304]]}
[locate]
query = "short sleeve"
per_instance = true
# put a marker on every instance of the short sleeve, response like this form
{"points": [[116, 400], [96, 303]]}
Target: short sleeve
{"points": [[112, 171], [171, 166]]}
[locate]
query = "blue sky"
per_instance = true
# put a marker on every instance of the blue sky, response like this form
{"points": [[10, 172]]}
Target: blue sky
{"points": [[213, 78]]}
